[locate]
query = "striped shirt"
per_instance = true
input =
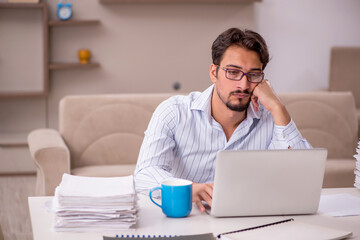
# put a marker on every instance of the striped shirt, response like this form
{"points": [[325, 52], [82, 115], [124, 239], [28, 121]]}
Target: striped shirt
{"points": [[183, 138]]}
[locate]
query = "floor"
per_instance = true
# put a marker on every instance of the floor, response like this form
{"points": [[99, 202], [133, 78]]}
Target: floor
{"points": [[14, 210]]}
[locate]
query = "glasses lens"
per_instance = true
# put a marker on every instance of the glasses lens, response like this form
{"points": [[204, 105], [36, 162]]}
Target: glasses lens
{"points": [[255, 77], [233, 74]]}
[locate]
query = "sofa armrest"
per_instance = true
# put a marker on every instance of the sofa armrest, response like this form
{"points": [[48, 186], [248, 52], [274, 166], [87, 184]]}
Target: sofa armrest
{"points": [[51, 157]]}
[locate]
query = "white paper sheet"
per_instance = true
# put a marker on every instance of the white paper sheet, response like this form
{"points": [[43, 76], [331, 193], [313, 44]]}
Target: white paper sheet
{"points": [[340, 205], [75, 186]]}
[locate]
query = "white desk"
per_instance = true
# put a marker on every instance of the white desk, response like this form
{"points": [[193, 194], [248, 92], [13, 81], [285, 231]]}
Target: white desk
{"points": [[152, 221]]}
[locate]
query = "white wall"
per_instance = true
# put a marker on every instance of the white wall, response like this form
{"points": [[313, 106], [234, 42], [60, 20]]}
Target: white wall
{"points": [[300, 34]]}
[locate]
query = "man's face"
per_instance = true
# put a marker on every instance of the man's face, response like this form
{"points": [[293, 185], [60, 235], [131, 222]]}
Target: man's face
{"points": [[236, 95]]}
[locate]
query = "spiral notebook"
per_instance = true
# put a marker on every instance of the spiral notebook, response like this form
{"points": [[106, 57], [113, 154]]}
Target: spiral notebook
{"points": [[205, 236], [284, 230]]}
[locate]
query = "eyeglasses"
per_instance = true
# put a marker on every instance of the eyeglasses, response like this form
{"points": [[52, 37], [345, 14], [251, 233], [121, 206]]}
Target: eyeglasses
{"points": [[236, 75]]}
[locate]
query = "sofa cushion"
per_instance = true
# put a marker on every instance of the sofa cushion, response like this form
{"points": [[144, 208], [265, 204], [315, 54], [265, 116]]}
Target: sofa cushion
{"points": [[345, 71], [339, 173], [105, 170], [325, 119], [358, 117]]}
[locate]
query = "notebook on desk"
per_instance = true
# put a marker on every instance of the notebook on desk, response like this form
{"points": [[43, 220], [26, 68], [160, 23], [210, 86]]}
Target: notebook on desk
{"points": [[284, 230], [268, 182]]}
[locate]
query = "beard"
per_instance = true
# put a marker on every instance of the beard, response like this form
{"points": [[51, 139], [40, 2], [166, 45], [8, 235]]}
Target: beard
{"points": [[238, 106]]}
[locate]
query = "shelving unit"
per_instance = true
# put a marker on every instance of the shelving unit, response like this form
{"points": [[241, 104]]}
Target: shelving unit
{"points": [[18, 140], [43, 8], [14, 140]]}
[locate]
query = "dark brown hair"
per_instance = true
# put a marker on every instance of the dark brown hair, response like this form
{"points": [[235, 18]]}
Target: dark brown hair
{"points": [[247, 39]]}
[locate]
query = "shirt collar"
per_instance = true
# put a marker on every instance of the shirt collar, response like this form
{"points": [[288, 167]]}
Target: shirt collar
{"points": [[203, 101], [251, 112]]}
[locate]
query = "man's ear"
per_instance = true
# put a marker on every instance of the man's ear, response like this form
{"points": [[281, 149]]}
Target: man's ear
{"points": [[213, 74]]}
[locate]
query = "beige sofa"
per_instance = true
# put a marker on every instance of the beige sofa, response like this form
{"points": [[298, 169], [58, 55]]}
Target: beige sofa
{"points": [[345, 73], [100, 135]]}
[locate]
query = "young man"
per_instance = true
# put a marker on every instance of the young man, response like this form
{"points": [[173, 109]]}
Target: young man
{"points": [[239, 111]]}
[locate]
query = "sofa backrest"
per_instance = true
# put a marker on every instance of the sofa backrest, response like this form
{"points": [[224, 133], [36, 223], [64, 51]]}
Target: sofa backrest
{"points": [[325, 119], [106, 129], [345, 71], [109, 129]]}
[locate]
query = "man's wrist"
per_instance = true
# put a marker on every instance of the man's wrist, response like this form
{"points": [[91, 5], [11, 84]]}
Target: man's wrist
{"points": [[280, 115]]}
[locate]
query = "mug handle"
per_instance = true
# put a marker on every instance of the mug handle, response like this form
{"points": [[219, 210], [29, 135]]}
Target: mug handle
{"points": [[150, 193]]}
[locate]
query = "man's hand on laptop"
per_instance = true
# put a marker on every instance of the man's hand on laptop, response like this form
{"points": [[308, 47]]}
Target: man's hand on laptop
{"points": [[202, 192]]}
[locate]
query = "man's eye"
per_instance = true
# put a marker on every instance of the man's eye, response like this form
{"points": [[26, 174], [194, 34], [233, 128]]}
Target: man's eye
{"points": [[254, 75], [233, 72]]}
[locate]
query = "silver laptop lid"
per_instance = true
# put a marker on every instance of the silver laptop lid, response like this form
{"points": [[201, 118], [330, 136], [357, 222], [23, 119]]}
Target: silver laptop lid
{"points": [[268, 182]]}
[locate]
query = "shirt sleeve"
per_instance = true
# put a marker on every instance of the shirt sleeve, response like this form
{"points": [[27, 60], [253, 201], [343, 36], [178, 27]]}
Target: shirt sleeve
{"points": [[156, 153], [288, 137]]}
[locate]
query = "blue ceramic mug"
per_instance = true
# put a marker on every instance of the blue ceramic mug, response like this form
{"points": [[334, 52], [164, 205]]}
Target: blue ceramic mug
{"points": [[176, 197]]}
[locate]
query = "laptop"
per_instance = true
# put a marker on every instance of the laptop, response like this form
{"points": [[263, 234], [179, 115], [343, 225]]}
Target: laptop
{"points": [[268, 182]]}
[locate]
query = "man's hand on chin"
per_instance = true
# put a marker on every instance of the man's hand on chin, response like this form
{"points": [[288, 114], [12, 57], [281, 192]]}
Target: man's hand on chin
{"points": [[202, 192], [264, 93]]}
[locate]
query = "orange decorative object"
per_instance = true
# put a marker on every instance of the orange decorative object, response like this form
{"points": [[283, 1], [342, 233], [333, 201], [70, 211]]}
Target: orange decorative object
{"points": [[84, 56]]}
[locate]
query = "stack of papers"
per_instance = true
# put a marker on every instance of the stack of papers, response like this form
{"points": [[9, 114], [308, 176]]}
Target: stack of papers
{"points": [[357, 170], [95, 204]]}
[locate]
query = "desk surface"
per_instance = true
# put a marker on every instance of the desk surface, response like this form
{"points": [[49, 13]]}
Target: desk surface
{"points": [[152, 221]]}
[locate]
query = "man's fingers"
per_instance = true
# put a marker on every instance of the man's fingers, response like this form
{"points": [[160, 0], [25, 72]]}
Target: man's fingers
{"points": [[200, 206], [202, 192], [206, 197], [255, 103], [209, 189]]}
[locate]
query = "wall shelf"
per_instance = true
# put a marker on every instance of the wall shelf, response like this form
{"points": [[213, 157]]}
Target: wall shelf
{"points": [[22, 5], [179, 1], [21, 94], [69, 23], [13, 139], [61, 66], [56, 23]]}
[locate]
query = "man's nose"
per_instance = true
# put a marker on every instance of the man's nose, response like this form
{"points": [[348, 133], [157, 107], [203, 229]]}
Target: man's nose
{"points": [[243, 83]]}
